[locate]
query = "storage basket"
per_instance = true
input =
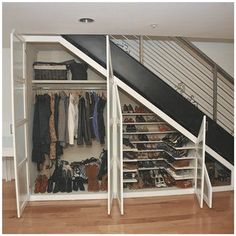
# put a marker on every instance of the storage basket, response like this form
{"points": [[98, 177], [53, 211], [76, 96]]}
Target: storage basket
{"points": [[50, 71]]}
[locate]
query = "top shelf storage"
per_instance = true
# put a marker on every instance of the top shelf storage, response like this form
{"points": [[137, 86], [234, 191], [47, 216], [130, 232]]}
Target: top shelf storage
{"points": [[69, 82]]}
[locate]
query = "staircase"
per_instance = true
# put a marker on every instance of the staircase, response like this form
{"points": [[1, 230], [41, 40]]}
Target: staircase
{"points": [[161, 94]]}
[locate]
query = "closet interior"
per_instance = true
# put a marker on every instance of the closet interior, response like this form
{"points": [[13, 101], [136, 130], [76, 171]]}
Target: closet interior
{"points": [[156, 157], [67, 134]]}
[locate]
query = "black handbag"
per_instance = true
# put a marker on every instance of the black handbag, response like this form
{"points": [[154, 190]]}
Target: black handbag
{"points": [[78, 70]]}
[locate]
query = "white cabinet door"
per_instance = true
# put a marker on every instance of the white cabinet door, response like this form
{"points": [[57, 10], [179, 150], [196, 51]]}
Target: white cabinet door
{"points": [[20, 123], [110, 132], [200, 153], [119, 152], [207, 192]]}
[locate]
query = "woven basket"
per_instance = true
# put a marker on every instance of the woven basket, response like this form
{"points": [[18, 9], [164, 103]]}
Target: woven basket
{"points": [[50, 71]]}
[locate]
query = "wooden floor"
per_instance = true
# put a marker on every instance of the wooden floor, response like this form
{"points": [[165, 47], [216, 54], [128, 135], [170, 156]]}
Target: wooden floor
{"points": [[176, 214]]}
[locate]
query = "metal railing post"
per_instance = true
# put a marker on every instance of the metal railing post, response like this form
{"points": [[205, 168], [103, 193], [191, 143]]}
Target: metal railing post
{"points": [[141, 49], [214, 92]]}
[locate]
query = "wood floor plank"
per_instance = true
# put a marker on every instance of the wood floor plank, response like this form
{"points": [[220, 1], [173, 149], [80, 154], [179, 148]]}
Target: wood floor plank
{"points": [[173, 214]]}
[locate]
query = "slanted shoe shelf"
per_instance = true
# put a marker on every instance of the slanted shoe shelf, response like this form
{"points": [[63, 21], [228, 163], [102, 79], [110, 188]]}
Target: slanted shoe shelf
{"points": [[188, 171]]}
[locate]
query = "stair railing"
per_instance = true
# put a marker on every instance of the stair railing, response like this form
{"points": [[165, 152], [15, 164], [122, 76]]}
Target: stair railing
{"points": [[188, 70]]}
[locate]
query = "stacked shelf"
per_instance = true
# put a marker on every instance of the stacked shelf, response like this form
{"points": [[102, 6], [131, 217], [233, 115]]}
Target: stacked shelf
{"points": [[168, 161]]}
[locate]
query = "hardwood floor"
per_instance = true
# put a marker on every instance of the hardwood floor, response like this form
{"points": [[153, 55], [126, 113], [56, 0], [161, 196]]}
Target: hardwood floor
{"points": [[175, 214]]}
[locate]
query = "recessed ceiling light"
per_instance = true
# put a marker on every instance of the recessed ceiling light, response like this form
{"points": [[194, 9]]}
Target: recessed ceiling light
{"points": [[86, 20], [153, 26]]}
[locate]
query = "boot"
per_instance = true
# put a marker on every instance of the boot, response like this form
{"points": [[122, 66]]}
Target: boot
{"points": [[91, 171], [38, 183], [75, 184], [44, 184], [104, 184], [81, 184], [50, 185]]}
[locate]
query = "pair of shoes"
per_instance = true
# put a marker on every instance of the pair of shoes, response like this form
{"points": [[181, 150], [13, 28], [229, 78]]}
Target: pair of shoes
{"points": [[139, 109], [142, 129], [143, 156], [154, 138], [130, 155], [180, 163], [143, 137], [128, 120], [133, 137], [130, 166], [141, 146], [128, 109], [140, 118], [184, 183], [152, 119], [169, 180], [131, 128], [127, 143], [163, 128]]}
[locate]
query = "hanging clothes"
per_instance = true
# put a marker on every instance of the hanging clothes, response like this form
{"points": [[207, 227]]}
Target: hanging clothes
{"points": [[52, 130], [95, 115], [90, 97], [83, 126], [59, 148], [62, 119], [71, 119], [41, 135], [100, 119]]}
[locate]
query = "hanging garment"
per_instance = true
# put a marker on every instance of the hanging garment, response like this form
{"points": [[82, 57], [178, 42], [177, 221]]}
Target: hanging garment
{"points": [[91, 109], [100, 119], [66, 119], [83, 127], [87, 111], [76, 101], [59, 149], [71, 119], [52, 130], [41, 136], [95, 116], [62, 119]]}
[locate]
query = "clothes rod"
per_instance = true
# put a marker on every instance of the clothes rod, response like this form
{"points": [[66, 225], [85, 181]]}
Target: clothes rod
{"points": [[81, 88]]}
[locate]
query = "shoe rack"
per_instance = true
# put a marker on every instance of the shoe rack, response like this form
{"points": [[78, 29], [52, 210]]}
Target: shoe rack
{"points": [[150, 161]]}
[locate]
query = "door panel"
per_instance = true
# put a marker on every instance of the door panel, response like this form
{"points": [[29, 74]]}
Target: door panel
{"points": [[19, 121], [119, 156], [110, 131], [200, 154], [207, 193], [19, 93]]}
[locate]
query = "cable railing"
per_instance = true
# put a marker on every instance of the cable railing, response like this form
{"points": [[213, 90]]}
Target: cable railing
{"points": [[189, 71]]}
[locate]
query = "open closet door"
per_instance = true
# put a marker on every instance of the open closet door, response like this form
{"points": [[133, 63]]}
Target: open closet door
{"points": [[20, 122], [110, 127], [119, 155], [200, 153], [207, 192]]}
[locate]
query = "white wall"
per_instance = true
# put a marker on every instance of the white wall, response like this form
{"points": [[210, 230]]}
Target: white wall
{"points": [[6, 93], [221, 53]]}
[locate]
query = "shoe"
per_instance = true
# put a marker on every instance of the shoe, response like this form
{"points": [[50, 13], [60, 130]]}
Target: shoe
{"points": [[130, 109], [130, 155], [44, 184], [81, 185], [125, 109], [75, 184], [38, 182], [50, 185], [184, 184], [181, 163]]}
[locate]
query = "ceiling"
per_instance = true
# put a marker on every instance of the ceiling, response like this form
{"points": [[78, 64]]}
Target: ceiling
{"points": [[197, 20]]}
